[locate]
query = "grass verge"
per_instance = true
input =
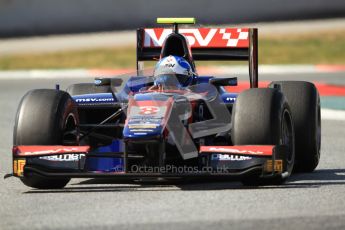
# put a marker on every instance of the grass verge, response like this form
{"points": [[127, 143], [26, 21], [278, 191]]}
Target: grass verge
{"points": [[315, 48]]}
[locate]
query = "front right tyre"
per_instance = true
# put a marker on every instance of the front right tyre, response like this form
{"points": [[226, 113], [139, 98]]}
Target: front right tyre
{"points": [[45, 117]]}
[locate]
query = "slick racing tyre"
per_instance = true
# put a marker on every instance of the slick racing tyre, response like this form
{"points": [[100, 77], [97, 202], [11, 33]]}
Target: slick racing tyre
{"points": [[263, 117], [87, 88], [45, 117], [304, 101]]}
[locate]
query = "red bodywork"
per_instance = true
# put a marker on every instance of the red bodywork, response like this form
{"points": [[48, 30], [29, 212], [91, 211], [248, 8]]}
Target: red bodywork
{"points": [[41, 150], [252, 150]]}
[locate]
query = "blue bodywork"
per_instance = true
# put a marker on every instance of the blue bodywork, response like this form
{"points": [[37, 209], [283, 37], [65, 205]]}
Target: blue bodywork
{"points": [[133, 85], [106, 164]]}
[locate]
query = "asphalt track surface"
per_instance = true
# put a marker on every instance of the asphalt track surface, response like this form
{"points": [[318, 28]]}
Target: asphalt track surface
{"points": [[306, 201]]}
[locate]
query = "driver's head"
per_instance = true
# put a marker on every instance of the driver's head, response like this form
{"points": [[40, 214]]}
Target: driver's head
{"points": [[173, 71]]}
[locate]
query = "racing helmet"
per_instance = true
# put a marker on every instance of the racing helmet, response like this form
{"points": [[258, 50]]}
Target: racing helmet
{"points": [[173, 71]]}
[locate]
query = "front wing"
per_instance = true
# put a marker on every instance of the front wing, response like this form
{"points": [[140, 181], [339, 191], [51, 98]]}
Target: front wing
{"points": [[214, 161]]}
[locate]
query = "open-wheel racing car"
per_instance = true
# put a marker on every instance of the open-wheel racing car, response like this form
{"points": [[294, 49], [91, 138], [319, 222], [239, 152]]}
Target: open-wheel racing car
{"points": [[171, 123]]}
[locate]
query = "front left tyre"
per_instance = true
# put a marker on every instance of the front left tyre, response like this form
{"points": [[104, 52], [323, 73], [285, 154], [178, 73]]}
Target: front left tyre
{"points": [[304, 101], [263, 117]]}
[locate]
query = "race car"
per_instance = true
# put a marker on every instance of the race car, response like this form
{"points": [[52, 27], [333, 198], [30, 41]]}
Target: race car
{"points": [[171, 123]]}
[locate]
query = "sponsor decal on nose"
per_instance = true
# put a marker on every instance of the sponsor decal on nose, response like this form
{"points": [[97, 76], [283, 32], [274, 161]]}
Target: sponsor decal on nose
{"points": [[148, 110]]}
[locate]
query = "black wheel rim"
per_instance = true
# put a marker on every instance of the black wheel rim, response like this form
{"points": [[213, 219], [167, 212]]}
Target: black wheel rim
{"points": [[318, 132], [287, 137], [70, 131]]}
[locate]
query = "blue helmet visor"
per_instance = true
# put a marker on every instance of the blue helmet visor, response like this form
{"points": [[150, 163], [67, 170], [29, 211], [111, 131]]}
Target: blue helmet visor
{"points": [[172, 80]]}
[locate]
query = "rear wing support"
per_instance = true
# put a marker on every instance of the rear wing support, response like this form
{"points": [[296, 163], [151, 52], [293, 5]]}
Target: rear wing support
{"points": [[253, 58]]}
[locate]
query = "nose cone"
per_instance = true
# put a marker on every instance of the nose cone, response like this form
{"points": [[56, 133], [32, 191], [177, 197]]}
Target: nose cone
{"points": [[146, 118], [146, 129]]}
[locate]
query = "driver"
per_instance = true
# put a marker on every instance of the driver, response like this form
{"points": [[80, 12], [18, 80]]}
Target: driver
{"points": [[172, 72]]}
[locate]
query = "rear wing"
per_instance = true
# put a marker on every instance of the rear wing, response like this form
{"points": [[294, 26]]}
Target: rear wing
{"points": [[209, 44]]}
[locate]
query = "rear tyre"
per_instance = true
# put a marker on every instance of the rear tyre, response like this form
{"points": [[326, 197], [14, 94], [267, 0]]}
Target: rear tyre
{"points": [[304, 101], [87, 88], [262, 117], [45, 117]]}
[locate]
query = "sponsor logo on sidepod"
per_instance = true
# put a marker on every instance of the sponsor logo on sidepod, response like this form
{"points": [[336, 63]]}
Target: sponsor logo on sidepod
{"points": [[94, 100]]}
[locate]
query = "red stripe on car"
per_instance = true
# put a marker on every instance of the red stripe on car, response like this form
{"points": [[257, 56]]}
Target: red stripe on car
{"points": [[39, 150], [259, 150]]}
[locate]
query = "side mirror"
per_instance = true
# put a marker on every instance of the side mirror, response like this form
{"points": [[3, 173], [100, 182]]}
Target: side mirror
{"points": [[217, 82], [115, 82]]}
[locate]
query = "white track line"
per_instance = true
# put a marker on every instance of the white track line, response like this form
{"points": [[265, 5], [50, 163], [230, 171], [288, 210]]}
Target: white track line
{"points": [[331, 114], [326, 114], [268, 69], [219, 70], [44, 74]]}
